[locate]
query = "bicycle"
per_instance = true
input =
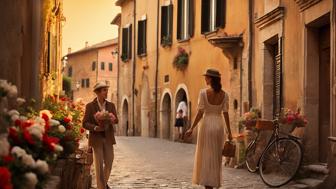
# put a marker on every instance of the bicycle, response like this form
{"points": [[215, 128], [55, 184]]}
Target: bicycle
{"points": [[279, 161]]}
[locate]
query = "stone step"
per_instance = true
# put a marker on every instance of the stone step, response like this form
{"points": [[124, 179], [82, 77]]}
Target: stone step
{"points": [[310, 182], [317, 168]]}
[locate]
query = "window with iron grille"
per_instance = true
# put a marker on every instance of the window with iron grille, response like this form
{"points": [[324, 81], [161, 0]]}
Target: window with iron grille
{"points": [[102, 65], [126, 43], [213, 15], [166, 24], [185, 19], [142, 38], [93, 66], [110, 66], [87, 83]]}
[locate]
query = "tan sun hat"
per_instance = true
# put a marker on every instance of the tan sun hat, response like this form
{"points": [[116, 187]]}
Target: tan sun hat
{"points": [[100, 84], [212, 73]]}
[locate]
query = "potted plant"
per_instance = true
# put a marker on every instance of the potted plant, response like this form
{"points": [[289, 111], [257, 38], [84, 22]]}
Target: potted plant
{"points": [[181, 59], [249, 119]]}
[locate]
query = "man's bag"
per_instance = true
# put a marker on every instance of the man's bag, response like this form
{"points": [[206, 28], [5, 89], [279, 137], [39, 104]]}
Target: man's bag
{"points": [[229, 149]]}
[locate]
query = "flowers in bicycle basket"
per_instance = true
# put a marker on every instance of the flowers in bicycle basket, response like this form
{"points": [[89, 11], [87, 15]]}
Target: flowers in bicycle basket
{"points": [[249, 119], [295, 119]]}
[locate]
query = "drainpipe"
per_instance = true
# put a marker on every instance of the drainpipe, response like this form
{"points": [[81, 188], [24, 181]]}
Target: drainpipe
{"points": [[250, 53], [157, 69], [134, 66]]}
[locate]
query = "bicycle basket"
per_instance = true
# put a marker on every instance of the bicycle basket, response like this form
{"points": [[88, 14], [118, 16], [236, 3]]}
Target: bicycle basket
{"points": [[263, 124]]}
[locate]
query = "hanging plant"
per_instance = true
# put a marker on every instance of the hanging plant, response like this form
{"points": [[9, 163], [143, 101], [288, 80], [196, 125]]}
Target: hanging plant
{"points": [[181, 59], [166, 41]]}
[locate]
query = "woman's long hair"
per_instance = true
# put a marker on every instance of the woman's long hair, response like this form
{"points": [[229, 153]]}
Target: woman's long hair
{"points": [[216, 84]]}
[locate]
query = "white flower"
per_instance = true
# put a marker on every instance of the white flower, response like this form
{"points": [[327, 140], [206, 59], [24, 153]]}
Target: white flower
{"points": [[15, 117], [23, 118], [20, 101], [4, 150], [19, 152], [39, 120], [58, 148], [13, 112], [42, 166], [28, 160], [61, 129], [12, 91], [36, 130], [53, 122], [31, 180]]}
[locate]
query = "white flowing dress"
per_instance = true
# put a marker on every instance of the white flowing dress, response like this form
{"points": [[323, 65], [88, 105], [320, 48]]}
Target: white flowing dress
{"points": [[210, 141]]}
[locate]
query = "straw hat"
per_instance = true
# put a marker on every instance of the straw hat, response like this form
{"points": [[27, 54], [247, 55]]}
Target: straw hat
{"points": [[212, 73], [100, 84]]}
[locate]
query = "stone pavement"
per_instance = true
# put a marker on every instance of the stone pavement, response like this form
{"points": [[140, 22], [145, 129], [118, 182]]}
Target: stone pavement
{"points": [[156, 163]]}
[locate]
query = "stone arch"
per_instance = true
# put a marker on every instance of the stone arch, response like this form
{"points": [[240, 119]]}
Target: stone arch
{"points": [[166, 121], [182, 91], [124, 130]]}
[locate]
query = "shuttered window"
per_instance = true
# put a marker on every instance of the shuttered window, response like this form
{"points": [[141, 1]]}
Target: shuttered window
{"points": [[83, 83], [110, 66], [185, 19], [93, 66], [126, 43], [87, 83], [213, 15], [166, 24], [102, 65], [277, 90], [142, 44]]}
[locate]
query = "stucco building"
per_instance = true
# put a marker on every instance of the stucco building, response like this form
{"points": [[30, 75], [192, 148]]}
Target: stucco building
{"points": [[30, 51], [93, 63]]}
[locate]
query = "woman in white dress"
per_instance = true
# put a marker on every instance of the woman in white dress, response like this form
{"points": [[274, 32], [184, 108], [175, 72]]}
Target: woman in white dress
{"points": [[213, 104]]}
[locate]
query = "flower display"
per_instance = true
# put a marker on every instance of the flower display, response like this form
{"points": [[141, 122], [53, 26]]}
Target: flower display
{"points": [[103, 117], [249, 119], [295, 119], [181, 59], [5, 178]]}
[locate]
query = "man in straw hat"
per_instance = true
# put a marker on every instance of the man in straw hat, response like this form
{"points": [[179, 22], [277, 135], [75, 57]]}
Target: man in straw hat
{"points": [[101, 137]]}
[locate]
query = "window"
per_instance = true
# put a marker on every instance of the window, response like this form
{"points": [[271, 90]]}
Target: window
{"points": [[93, 66], [142, 42], [213, 15], [126, 43], [185, 19], [166, 24], [102, 65], [110, 66], [70, 71], [87, 83], [83, 83]]}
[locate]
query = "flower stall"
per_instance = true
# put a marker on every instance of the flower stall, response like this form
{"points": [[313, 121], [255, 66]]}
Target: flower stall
{"points": [[34, 142]]}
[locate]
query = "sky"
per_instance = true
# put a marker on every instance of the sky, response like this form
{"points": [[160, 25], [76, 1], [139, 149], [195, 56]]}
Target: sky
{"points": [[88, 20]]}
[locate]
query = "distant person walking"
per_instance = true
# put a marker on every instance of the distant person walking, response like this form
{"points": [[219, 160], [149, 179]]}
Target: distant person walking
{"points": [[213, 104], [99, 117], [181, 117]]}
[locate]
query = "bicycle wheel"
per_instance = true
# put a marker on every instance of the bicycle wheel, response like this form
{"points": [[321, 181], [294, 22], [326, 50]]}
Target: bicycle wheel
{"points": [[280, 162], [250, 157]]}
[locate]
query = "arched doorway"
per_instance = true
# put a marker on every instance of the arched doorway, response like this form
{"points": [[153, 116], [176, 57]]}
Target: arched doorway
{"points": [[145, 107], [181, 95], [125, 122], [165, 114]]}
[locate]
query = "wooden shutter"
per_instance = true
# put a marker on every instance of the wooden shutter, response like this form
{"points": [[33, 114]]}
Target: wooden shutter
{"points": [[179, 19], [277, 101], [142, 37], [164, 22], [191, 15], [170, 22], [129, 46], [205, 16], [220, 13], [124, 42]]}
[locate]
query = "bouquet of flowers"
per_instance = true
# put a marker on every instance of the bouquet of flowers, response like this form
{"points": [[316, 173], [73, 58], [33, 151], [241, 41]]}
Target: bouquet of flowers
{"points": [[295, 119], [104, 118], [249, 119]]}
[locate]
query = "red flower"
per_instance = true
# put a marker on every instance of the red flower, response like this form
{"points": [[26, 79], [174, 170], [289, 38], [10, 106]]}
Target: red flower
{"points": [[26, 124], [290, 118], [66, 120], [7, 159], [27, 136], [17, 122], [5, 178], [82, 130], [14, 135], [50, 142]]}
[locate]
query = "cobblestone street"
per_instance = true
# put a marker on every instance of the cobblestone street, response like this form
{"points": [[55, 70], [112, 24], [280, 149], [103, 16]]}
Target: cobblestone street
{"points": [[155, 163]]}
